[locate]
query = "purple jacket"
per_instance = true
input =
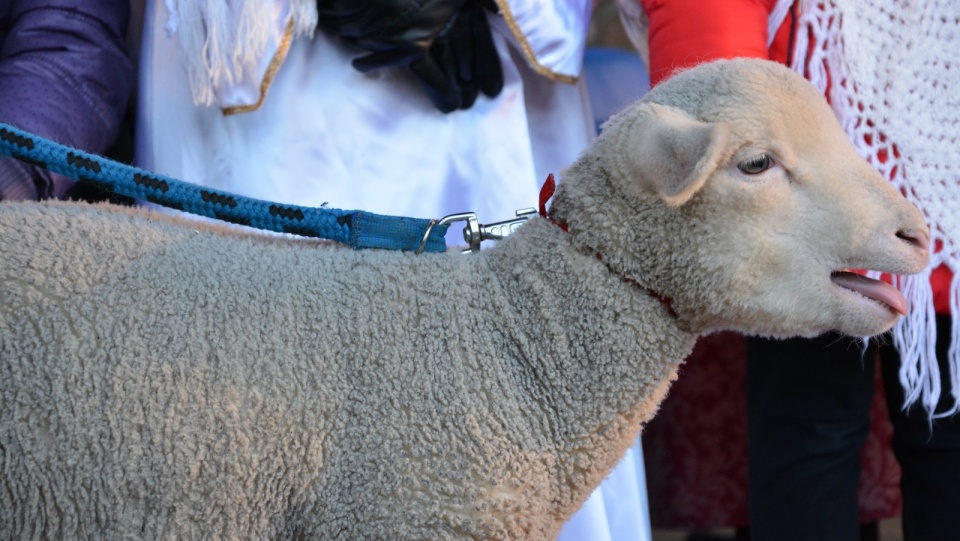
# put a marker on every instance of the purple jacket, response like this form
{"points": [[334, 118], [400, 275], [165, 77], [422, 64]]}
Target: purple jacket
{"points": [[65, 75]]}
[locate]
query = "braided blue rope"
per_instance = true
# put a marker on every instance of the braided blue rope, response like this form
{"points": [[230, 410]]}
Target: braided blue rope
{"points": [[357, 228]]}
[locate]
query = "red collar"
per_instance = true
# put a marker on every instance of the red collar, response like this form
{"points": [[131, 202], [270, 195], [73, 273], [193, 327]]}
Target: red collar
{"points": [[546, 192]]}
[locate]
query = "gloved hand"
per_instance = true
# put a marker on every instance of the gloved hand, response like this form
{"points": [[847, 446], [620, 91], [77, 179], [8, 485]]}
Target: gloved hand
{"points": [[445, 44]]}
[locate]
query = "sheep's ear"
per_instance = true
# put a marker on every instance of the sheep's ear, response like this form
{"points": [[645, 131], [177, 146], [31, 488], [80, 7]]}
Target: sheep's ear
{"points": [[672, 153]]}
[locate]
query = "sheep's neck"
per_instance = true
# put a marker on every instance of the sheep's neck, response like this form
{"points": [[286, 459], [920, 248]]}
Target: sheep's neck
{"points": [[600, 364], [546, 193], [667, 302]]}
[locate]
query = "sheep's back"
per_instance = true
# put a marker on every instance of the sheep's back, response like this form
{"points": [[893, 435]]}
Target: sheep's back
{"points": [[146, 356]]}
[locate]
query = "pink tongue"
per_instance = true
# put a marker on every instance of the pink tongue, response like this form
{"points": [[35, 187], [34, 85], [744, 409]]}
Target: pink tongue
{"points": [[872, 289]]}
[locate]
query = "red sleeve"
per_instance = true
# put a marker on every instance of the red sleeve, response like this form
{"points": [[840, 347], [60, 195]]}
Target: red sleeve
{"points": [[683, 33]]}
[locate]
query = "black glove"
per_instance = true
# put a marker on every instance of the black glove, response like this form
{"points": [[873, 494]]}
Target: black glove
{"points": [[445, 44]]}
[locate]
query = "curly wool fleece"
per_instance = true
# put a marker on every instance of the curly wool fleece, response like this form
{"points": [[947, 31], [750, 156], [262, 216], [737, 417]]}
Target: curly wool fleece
{"points": [[160, 380]]}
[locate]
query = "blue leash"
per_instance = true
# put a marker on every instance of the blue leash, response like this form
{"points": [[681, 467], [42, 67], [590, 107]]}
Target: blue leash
{"points": [[359, 229]]}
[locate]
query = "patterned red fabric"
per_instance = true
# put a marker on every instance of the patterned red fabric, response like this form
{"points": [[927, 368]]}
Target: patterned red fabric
{"points": [[695, 449]]}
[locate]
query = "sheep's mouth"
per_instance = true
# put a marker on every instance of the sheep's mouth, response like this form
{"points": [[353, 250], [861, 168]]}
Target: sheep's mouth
{"points": [[875, 290]]}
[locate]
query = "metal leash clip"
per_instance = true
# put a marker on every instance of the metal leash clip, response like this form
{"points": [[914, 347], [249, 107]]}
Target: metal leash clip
{"points": [[475, 232]]}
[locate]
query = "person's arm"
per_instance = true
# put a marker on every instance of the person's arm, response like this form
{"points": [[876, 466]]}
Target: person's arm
{"points": [[683, 33], [65, 75]]}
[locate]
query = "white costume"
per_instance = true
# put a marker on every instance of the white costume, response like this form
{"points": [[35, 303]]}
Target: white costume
{"points": [[238, 96], [326, 133]]}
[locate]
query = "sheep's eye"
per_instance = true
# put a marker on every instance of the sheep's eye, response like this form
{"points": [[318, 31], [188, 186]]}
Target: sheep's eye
{"points": [[755, 165]]}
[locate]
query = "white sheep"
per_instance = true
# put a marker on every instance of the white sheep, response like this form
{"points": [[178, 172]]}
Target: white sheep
{"points": [[167, 379]]}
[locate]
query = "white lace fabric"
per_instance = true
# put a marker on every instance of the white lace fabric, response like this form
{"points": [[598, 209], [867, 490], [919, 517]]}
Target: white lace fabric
{"points": [[891, 72]]}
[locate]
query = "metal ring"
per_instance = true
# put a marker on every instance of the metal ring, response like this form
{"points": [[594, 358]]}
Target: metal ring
{"points": [[423, 242]]}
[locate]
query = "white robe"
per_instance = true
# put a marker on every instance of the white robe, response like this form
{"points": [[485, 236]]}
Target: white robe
{"points": [[327, 133]]}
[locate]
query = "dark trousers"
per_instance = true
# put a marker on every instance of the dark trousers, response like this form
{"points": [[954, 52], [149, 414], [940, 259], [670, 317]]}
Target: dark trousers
{"points": [[808, 407]]}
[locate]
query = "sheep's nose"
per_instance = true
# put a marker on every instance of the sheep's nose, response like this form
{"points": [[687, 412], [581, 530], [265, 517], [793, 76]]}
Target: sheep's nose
{"points": [[919, 239]]}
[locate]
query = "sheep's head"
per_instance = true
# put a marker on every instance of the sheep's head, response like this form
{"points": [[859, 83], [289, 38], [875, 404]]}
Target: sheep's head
{"points": [[737, 194]]}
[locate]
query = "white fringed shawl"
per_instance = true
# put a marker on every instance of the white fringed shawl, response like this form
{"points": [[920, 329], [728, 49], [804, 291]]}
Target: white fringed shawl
{"points": [[895, 86], [220, 40]]}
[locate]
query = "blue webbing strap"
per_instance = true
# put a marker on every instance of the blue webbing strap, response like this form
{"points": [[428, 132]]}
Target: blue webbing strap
{"points": [[356, 228]]}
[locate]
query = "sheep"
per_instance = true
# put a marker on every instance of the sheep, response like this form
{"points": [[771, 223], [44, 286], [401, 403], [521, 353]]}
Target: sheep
{"points": [[167, 379]]}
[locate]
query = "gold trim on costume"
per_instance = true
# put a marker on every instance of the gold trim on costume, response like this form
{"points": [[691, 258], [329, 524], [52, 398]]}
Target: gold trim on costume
{"points": [[272, 69], [528, 51]]}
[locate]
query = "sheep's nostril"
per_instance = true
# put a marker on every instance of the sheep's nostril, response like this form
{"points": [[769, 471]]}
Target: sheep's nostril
{"points": [[920, 239]]}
